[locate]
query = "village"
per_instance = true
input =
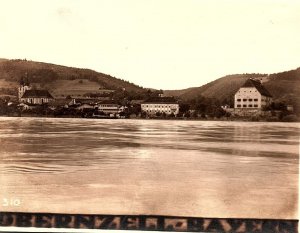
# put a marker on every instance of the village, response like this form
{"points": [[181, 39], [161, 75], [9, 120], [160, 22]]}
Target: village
{"points": [[252, 101]]}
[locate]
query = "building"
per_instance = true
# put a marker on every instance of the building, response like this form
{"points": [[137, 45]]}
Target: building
{"points": [[60, 103], [166, 105], [85, 106], [26, 106], [22, 89], [109, 108], [290, 108], [252, 95], [36, 97]]}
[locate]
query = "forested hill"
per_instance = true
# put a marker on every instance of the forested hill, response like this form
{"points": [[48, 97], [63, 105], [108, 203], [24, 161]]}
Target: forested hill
{"points": [[284, 86], [60, 80]]}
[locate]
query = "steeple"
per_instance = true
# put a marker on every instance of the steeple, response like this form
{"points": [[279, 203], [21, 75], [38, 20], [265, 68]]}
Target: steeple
{"points": [[24, 86]]}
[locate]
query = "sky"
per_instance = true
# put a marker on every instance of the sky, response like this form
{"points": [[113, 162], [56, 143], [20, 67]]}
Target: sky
{"points": [[166, 44]]}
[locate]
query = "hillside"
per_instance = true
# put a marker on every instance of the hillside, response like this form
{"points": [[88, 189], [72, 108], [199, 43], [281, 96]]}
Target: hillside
{"points": [[283, 86], [62, 81], [59, 80], [221, 88]]}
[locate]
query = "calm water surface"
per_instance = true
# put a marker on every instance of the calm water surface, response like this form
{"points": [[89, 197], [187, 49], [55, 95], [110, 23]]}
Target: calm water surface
{"points": [[187, 168]]}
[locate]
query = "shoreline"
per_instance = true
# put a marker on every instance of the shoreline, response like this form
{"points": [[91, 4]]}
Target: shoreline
{"points": [[232, 119]]}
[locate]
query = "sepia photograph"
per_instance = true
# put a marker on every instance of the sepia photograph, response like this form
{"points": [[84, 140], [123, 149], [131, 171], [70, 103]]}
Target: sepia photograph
{"points": [[149, 115]]}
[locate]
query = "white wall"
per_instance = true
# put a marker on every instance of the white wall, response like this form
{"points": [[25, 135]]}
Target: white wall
{"points": [[21, 90], [109, 108], [152, 108], [249, 98], [35, 100]]}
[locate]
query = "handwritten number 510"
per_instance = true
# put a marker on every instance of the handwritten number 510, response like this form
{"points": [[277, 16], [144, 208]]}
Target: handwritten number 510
{"points": [[11, 202]]}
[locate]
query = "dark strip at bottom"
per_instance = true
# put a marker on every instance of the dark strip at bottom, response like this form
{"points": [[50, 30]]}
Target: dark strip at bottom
{"points": [[147, 223]]}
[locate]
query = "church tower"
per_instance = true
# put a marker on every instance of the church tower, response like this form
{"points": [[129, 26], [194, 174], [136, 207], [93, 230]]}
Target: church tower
{"points": [[24, 86]]}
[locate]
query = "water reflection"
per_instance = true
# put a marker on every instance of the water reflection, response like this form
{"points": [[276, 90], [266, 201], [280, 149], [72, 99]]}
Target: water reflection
{"points": [[211, 169]]}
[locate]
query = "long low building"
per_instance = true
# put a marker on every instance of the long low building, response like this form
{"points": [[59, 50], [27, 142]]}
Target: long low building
{"points": [[110, 108], [162, 105]]}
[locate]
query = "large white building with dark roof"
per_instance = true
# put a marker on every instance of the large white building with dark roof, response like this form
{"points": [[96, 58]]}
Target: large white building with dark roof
{"points": [[165, 105], [252, 95]]}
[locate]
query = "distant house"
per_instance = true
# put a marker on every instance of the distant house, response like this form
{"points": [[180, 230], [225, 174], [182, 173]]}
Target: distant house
{"points": [[83, 100], [252, 95], [85, 106], [290, 108], [166, 105], [36, 97], [60, 103], [109, 107], [26, 106]]}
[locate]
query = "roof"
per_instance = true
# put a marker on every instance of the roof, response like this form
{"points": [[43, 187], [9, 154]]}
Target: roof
{"points": [[257, 84], [60, 102], [137, 101], [85, 101], [37, 94], [108, 102], [85, 106], [161, 100]]}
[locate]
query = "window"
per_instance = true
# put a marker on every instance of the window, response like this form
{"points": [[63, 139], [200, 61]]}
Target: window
{"points": [[244, 105], [250, 105], [255, 105], [239, 100], [255, 99], [238, 105], [250, 100], [244, 99]]}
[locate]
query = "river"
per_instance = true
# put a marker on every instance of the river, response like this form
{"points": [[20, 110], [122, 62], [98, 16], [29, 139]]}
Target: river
{"points": [[178, 168]]}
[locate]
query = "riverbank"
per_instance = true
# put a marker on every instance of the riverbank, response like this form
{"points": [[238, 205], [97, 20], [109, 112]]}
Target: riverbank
{"points": [[288, 118]]}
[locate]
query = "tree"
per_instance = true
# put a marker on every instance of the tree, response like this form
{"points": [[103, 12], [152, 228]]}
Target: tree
{"points": [[143, 114], [219, 112], [195, 114], [180, 114], [172, 115], [136, 109], [187, 115], [184, 107]]}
